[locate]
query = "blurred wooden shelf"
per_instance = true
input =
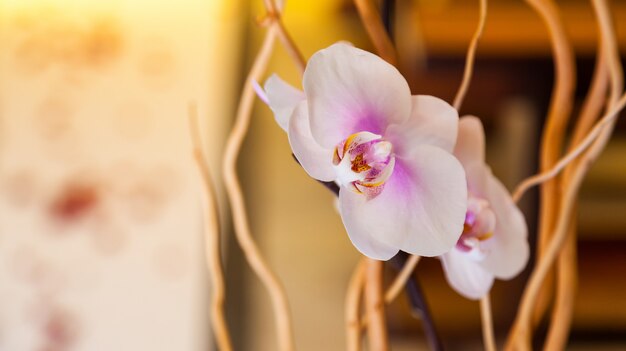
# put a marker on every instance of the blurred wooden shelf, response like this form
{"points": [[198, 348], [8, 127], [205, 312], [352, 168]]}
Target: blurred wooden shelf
{"points": [[512, 28]]}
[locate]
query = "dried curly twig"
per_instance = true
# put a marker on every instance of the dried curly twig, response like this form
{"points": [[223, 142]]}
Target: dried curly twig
{"points": [[487, 323], [581, 147], [235, 195], [552, 140], [567, 266], [233, 189], [376, 31], [394, 289], [212, 243], [375, 305], [471, 54], [353, 302], [273, 17], [572, 181]]}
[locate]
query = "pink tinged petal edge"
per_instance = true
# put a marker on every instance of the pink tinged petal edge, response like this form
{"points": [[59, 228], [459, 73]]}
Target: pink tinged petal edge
{"points": [[432, 121], [465, 275], [282, 99], [260, 92], [350, 90], [421, 209], [508, 247], [316, 160], [470, 144]]}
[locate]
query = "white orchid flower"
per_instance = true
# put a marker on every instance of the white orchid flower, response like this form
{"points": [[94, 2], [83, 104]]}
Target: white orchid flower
{"points": [[357, 124]]}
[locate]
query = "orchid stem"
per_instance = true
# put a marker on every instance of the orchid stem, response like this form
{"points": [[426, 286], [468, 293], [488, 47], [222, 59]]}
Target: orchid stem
{"points": [[419, 306], [401, 279], [387, 13], [332, 186]]}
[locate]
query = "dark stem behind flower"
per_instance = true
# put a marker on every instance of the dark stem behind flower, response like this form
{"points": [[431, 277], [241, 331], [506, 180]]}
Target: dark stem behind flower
{"points": [[387, 13], [418, 304], [332, 186]]}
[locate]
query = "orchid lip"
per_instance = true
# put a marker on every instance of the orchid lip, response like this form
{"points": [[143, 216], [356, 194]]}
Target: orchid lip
{"points": [[364, 161], [479, 227]]}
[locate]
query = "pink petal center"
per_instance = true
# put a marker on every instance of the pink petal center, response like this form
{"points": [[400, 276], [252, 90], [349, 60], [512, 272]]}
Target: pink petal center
{"points": [[364, 161], [480, 222]]}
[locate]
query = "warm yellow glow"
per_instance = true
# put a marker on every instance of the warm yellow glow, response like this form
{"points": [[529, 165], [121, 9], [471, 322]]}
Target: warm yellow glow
{"points": [[96, 173]]}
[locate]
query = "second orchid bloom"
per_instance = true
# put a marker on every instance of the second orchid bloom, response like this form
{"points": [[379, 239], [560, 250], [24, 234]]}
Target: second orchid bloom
{"points": [[494, 239]]}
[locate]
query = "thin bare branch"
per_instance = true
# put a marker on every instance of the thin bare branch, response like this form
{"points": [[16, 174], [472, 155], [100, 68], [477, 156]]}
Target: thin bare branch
{"points": [[487, 323], [591, 137], [375, 305], [552, 141], [398, 284], [212, 242], [353, 307], [471, 54], [274, 18], [376, 30], [235, 195], [566, 287], [567, 266]]}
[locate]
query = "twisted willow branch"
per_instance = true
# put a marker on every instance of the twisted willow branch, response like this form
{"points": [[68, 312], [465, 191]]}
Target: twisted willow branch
{"points": [[235, 195], [567, 265], [233, 188], [555, 127], [401, 279], [575, 175], [376, 31], [212, 242], [471, 54], [487, 323], [353, 302]]}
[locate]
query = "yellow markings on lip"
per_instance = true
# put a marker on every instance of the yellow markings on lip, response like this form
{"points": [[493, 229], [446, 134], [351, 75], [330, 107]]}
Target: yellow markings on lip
{"points": [[485, 236], [372, 185], [466, 228], [348, 142], [336, 157], [359, 165]]}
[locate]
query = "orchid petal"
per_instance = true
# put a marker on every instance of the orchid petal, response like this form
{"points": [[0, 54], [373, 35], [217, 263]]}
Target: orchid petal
{"points": [[470, 150], [365, 241], [465, 275], [477, 179], [316, 160], [350, 90], [433, 121], [508, 248], [421, 209], [283, 99], [470, 145]]}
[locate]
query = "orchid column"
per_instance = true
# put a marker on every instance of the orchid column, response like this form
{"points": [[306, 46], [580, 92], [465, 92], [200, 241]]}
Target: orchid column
{"points": [[100, 244]]}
